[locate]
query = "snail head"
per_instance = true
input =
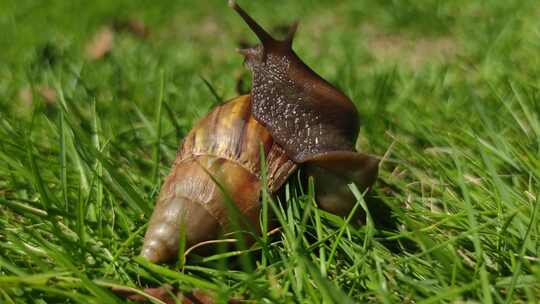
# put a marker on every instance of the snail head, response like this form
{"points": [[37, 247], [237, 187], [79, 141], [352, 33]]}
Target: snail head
{"points": [[305, 114]]}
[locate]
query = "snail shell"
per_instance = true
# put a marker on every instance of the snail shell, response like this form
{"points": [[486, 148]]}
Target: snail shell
{"points": [[225, 144]]}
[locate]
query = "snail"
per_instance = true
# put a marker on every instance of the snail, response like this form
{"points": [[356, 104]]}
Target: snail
{"points": [[297, 117]]}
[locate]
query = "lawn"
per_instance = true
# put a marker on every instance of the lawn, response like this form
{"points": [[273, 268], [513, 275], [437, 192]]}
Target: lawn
{"points": [[449, 97]]}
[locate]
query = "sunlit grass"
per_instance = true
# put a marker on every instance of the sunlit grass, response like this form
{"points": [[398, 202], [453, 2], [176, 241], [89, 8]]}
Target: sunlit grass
{"points": [[454, 214]]}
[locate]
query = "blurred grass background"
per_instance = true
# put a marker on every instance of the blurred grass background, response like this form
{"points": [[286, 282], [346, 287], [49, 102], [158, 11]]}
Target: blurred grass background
{"points": [[448, 93]]}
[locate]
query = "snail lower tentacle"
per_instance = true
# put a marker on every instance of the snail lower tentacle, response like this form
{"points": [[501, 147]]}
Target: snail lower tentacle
{"points": [[334, 172]]}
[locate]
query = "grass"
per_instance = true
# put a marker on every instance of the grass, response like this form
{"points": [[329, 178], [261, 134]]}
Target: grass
{"points": [[449, 96]]}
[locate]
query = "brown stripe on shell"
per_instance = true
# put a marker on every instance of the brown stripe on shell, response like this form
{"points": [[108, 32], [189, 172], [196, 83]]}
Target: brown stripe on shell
{"points": [[240, 148], [280, 167]]}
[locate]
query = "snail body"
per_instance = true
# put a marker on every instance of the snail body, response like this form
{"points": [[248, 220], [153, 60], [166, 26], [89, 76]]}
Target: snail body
{"points": [[297, 117]]}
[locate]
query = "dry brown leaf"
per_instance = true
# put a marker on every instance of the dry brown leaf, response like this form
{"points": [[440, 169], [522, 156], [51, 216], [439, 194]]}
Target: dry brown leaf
{"points": [[133, 26], [100, 44], [138, 28], [47, 93], [167, 294]]}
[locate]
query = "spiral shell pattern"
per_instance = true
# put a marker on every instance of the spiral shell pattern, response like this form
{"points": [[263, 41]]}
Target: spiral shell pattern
{"points": [[224, 147]]}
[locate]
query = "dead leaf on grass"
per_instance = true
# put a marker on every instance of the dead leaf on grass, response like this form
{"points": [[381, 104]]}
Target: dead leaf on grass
{"points": [[47, 93], [100, 44], [133, 26]]}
